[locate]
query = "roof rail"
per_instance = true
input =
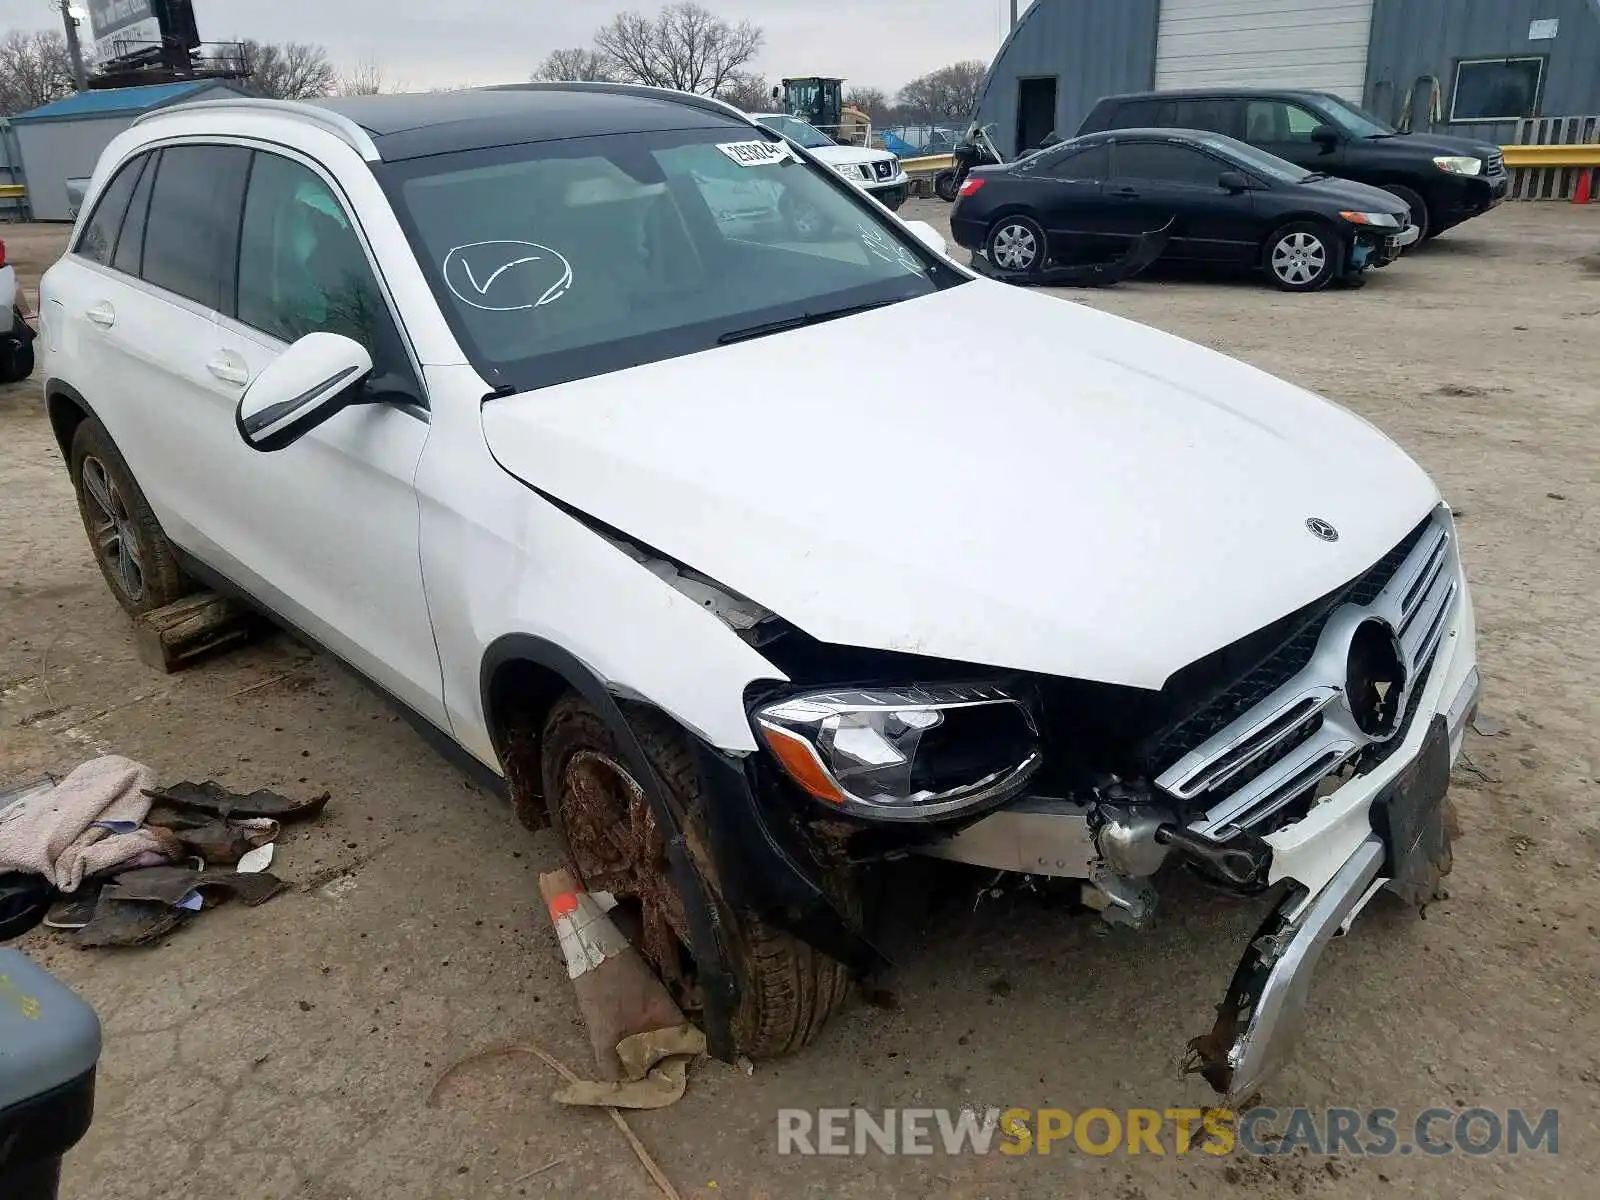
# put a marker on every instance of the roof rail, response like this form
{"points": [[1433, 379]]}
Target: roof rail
{"points": [[688, 99], [342, 127]]}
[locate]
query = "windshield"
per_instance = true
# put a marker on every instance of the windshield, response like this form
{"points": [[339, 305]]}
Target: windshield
{"points": [[560, 260], [1255, 159], [798, 131], [1355, 121]]}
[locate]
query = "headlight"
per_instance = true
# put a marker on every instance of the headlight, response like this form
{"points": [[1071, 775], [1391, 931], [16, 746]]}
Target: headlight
{"points": [[1459, 164], [851, 170], [905, 754], [1382, 220]]}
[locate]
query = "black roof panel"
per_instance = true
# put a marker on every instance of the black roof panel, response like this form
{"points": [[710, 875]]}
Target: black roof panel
{"points": [[414, 126]]}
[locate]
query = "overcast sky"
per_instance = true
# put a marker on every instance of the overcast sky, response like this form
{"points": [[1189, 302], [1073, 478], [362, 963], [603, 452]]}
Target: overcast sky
{"points": [[869, 42]]}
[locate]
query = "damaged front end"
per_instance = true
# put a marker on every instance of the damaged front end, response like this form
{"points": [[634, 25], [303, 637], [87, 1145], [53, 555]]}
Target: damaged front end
{"points": [[1312, 756]]}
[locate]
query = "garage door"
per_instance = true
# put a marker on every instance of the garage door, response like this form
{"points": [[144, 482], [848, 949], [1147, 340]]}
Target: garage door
{"points": [[1320, 44]]}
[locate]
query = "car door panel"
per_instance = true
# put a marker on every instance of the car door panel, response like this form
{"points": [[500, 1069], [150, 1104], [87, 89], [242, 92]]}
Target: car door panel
{"points": [[1065, 192], [1155, 183], [325, 530]]}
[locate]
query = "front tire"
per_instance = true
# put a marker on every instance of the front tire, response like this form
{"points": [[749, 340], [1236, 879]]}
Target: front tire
{"points": [[945, 186], [139, 563], [602, 817], [1303, 256], [1420, 216], [1017, 246]]}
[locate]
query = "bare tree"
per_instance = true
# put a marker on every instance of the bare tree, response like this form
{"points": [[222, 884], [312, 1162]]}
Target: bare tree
{"points": [[35, 69], [288, 71], [948, 94], [872, 101], [684, 46], [575, 64], [366, 78], [750, 92]]}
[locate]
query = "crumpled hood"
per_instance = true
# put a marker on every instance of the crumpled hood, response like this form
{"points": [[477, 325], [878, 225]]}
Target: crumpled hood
{"points": [[1359, 196], [1054, 490]]}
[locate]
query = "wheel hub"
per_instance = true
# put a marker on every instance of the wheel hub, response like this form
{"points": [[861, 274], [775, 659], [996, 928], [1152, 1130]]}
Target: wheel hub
{"points": [[617, 847], [111, 529]]}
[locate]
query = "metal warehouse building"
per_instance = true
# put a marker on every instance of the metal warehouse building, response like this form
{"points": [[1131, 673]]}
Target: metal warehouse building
{"points": [[1490, 62], [62, 141]]}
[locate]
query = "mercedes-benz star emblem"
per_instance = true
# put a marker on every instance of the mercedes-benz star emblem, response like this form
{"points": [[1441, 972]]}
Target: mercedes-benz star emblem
{"points": [[1322, 529]]}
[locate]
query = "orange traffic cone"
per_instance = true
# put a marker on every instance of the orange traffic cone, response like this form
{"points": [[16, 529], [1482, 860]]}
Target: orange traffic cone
{"points": [[619, 996], [1580, 195]]}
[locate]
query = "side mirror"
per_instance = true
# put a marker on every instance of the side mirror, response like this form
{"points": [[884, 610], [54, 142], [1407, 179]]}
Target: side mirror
{"points": [[928, 236], [1233, 182], [1327, 137], [310, 382]]}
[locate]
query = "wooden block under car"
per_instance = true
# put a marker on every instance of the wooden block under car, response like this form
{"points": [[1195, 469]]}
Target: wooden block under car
{"points": [[171, 638]]}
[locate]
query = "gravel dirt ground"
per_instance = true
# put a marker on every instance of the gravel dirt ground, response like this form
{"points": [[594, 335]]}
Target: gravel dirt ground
{"points": [[290, 1050]]}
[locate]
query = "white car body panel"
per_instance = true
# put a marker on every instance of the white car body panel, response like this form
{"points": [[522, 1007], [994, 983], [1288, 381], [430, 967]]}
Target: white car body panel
{"points": [[1084, 497], [536, 570]]}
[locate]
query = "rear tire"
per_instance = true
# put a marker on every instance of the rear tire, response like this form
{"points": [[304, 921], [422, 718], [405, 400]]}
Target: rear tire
{"points": [[1302, 256], [1420, 216], [945, 186], [1017, 246], [787, 989], [139, 563]]}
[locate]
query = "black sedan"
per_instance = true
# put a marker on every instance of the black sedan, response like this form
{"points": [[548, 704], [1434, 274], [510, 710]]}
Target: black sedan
{"points": [[1222, 202]]}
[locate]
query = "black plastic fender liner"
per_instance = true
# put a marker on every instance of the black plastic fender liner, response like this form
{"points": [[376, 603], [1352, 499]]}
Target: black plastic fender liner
{"points": [[1140, 256], [762, 859], [711, 951]]}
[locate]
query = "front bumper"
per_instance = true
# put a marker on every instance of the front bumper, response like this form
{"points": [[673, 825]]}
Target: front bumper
{"points": [[1330, 862], [891, 193]]}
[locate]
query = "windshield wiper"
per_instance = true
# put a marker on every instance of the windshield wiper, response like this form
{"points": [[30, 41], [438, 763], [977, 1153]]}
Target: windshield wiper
{"points": [[800, 322]]}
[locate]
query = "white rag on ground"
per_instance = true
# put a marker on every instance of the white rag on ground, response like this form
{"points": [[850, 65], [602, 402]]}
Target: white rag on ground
{"points": [[54, 833]]}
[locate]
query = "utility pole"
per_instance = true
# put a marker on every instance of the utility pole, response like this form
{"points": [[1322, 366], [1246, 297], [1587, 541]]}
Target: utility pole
{"points": [[80, 77], [1013, 14]]}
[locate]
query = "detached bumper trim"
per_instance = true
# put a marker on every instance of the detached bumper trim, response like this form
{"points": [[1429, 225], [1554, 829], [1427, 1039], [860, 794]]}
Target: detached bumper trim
{"points": [[1278, 969], [1407, 236]]}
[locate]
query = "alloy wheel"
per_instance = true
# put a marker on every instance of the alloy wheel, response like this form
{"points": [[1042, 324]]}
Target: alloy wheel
{"points": [[112, 530], [618, 848], [1015, 248], [1299, 258]]}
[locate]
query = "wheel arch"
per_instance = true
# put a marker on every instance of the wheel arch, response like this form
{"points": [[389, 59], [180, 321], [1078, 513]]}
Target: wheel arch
{"points": [[67, 410], [518, 661]]}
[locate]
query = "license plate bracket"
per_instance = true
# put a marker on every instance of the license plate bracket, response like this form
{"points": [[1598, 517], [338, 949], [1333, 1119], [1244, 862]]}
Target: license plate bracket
{"points": [[1412, 818]]}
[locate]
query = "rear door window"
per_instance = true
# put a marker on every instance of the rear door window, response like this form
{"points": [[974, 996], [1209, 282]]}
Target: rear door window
{"points": [[193, 221], [129, 257], [98, 242]]}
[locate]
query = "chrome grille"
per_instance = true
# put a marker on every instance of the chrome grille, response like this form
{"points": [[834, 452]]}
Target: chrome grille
{"points": [[885, 168], [1496, 164], [1304, 731]]}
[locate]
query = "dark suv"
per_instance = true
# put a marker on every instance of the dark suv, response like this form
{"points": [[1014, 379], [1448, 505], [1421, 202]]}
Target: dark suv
{"points": [[1444, 180]]}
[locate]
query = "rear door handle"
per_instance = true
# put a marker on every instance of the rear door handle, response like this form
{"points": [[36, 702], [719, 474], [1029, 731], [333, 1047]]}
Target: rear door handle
{"points": [[228, 371], [1125, 193], [103, 314]]}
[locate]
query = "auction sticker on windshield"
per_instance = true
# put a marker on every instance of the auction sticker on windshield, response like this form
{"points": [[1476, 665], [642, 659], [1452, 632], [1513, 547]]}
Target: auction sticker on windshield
{"points": [[756, 154]]}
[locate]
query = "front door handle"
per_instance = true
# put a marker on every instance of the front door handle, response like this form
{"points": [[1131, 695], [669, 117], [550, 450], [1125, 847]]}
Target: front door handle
{"points": [[103, 314], [228, 371], [1125, 193]]}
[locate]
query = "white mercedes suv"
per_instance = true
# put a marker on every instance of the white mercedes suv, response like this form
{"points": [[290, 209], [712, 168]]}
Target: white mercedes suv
{"points": [[614, 489]]}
